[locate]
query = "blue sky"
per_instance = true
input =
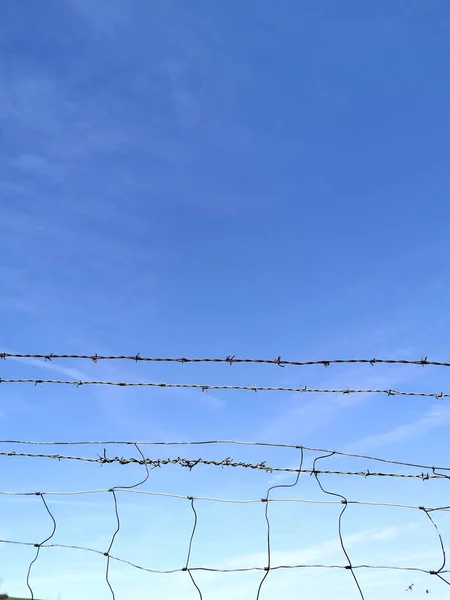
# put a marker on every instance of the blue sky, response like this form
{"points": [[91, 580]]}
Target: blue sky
{"points": [[205, 178]]}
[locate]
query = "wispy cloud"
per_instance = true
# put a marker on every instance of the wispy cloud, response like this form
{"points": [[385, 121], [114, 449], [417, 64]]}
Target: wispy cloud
{"points": [[103, 17], [437, 416], [205, 399], [316, 552], [303, 417], [75, 374]]}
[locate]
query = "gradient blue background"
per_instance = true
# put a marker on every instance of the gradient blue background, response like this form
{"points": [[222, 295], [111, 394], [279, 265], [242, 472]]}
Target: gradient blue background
{"points": [[204, 178]]}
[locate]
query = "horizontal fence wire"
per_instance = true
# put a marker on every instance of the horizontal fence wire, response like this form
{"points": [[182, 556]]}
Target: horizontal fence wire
{"points": [[230, 500], [224, 569], [230, 359], [228, 442], [207, 387], [195, 502], [190, 463], [293, 474]]}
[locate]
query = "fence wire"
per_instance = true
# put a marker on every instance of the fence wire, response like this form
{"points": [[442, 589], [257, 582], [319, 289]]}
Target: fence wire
{"points": [[206, 387], [331, 497], [190, 463], [230, 359]]}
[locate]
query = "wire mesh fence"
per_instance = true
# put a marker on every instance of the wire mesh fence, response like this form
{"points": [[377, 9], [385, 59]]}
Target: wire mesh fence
{"points": [[306, 470], [330, 492]]}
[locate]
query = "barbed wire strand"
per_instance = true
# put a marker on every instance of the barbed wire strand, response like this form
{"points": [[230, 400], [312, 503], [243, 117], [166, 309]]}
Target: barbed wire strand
{"points": [[229, 442], [39, 546], [226, 462], [344, 508], [266, 514], [191, 463], [230, 359], [207, 387]]}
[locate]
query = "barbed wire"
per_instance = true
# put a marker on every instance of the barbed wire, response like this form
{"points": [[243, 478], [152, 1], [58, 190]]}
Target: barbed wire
{"points": [[190, 463], [230, 359], [427, 472], [207, 387], [228, 442], [337, 499]]}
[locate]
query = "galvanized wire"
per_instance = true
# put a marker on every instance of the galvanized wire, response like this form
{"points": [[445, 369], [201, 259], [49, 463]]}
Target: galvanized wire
{"points": [[195, 502], [206, 387]]}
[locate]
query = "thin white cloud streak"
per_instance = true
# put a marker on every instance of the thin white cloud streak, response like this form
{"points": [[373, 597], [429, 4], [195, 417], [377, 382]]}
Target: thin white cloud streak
{"points": [[129, 583], [314, 553], [304, 418], [206, 399], [121, 575], [74, 374], [438, 416]]}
